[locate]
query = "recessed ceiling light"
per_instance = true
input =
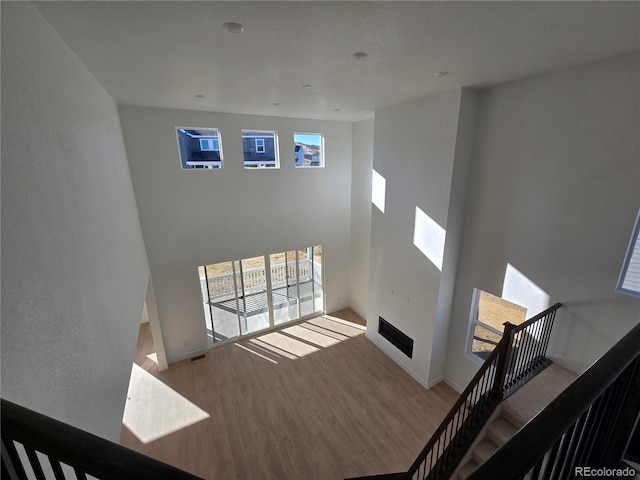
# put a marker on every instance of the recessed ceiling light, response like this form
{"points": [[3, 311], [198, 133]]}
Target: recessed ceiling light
{"points": [[233, 27], [199, 95], [359, 56], [306, 85], [441, 74]]}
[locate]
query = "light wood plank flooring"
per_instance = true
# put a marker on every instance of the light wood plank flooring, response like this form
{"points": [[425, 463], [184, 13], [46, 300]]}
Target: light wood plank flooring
{"points": [[313, 401]]}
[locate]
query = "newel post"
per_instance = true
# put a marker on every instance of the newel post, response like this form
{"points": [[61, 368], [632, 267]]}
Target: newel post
{"points": [[502, 364]]}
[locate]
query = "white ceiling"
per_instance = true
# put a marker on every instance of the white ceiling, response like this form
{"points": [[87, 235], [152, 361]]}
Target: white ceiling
{"points": [[163, 54]]}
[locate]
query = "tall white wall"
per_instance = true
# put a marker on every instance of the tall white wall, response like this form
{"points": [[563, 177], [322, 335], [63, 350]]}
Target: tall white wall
{"points": [[74, 268], [197, 217], [554, 190], [362, 163], [414, 150]]}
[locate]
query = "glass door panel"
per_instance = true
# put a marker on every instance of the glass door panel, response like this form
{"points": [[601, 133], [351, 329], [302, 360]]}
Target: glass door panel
{"points": [[254, 300], [241, 297], [316, 274], [219, 301], [305, 277], [284, 287]]}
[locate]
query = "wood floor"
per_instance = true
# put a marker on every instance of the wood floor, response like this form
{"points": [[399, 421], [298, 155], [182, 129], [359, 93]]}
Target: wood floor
{"points": [[314, 401]]}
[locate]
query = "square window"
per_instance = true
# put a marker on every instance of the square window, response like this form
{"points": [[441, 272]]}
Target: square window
{"points": [[199, 148], [260, 149], [308, 150]]}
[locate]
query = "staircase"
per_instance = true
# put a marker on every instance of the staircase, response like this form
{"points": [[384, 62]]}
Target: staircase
{"points": [[536, 433], [517, 358], [590, 425], [512, 414]]}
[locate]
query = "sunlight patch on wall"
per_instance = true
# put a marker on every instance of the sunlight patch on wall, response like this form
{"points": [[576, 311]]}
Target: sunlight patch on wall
{"points": [[154, 410], [378, 190], [429, 237], [519, 289]]}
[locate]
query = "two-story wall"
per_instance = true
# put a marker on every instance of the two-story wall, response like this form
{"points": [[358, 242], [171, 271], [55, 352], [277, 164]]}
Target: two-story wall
{"points": [[197, 217]]}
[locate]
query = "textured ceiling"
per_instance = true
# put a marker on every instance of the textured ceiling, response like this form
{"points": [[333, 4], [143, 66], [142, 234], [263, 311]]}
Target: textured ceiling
{"points": [[163, 54]]}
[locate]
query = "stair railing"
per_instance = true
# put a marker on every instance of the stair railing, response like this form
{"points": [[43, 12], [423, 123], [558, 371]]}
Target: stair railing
{"points": [[583, 432], [520, 355], [29, 437]]}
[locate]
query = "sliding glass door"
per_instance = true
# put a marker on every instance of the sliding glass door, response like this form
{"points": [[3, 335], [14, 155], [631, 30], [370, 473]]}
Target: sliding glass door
{"points": [[284, 280], [254, 298], [245, 296]]}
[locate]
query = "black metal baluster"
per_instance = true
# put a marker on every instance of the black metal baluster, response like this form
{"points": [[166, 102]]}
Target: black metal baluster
{"points": [[551, 460], [12, 460], [35, 462], [57, 469], [80, 475], [551, 318]]}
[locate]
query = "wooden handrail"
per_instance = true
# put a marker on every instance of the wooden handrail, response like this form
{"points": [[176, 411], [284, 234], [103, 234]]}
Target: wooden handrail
{"points": [[534, 319], [462, 400], [519, 455], [81, 450], [500, 357]]}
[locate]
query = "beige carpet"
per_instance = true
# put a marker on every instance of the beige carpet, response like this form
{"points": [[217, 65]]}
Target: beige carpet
{"points": [[525, 404]]}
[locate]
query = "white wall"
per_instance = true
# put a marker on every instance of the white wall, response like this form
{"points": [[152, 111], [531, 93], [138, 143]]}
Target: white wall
{"points": [[414, 150], [554, 190], [74, 268], [362, 163], [196, 217]]}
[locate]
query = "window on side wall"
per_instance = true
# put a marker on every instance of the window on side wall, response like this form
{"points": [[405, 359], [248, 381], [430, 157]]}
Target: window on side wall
{"points": [[199, 148], [260, 149], [629, 279], [308, 150], [486, 325]]}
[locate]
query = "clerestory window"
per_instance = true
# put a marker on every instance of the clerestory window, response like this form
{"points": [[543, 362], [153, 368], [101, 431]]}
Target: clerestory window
{"points": [[199, 148]]}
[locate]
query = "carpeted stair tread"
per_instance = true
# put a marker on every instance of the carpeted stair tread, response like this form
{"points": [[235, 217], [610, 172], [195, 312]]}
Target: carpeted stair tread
{"points": [[501, 431], [525, 404], [467, 469], [484, 450]]}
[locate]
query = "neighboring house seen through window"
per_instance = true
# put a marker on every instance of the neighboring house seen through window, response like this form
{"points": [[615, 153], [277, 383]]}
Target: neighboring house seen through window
{"points": [[260, 149], [308, 150], [199, 148]]}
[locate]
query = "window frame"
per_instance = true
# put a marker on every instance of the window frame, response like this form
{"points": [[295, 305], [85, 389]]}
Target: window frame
{"points": [[215, 144], [187, 164], [474, 320], [237, 292], [321, 160], [260, 164], [632, 256]]}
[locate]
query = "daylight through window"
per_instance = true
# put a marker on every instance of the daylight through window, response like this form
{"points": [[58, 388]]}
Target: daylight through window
{"points": [[488, 315], [260, 149], [629, 280], [241, 297], [199, 148], [308, 150]]}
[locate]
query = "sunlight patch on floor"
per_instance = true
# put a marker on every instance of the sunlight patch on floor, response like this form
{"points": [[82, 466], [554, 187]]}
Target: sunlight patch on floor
{"points": [[288, 344], [154, 410], [302, 339]]}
